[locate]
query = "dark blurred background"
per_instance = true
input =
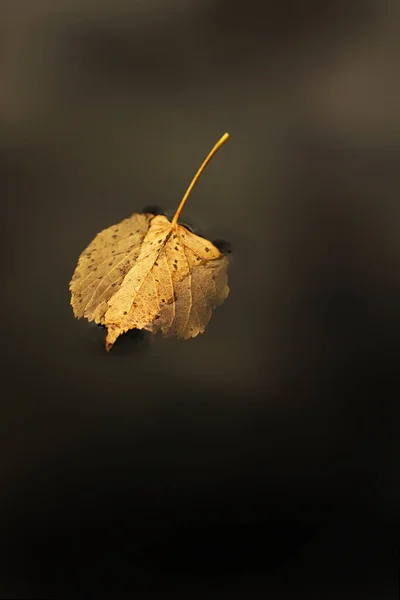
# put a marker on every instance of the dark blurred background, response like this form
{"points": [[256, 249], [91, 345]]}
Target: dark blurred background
{"points": [[261, 458]]}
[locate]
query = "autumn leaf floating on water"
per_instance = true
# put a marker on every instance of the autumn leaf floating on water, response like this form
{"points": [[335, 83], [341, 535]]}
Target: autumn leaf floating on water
{"points": [[150, 273]]}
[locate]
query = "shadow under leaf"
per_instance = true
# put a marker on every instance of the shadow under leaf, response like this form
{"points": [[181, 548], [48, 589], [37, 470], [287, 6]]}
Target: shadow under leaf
{"points": [[131, 342]]}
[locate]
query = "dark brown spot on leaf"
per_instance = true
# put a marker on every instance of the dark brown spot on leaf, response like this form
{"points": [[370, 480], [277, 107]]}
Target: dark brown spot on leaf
{"points": [[125, 313], [207, 249]]}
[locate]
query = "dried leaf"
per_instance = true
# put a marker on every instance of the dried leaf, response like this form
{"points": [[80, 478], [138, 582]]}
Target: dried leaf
{"points": [[150, 273]]}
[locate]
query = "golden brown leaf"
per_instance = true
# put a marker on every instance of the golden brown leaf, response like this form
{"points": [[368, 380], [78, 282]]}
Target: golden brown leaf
{"points": [[150, 273]]}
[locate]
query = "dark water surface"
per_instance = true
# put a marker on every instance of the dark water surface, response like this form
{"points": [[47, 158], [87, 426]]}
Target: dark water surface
{"points": [[262, 457]]}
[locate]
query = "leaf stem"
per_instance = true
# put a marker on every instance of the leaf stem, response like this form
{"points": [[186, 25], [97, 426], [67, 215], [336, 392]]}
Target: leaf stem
{"points": [[195, 178]]}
